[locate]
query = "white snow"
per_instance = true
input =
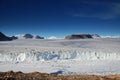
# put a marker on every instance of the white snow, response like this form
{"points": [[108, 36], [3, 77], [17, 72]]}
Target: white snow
{"points": [[20, 36], [82, 56], [110, 36], [52, 37]]}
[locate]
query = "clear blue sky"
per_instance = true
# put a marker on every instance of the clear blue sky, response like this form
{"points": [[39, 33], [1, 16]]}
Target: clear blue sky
{"points": [[60, 17]]}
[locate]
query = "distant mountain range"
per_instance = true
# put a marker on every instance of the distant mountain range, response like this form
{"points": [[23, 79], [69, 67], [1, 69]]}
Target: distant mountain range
{"points": [[29, 36], [82, 36], [3, 37]]}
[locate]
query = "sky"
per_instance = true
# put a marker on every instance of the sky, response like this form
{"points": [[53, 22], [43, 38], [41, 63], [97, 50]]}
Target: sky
{"points": [[60, 17]]}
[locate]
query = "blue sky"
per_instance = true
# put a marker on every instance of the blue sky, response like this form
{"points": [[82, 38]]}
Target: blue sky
{"points": [[60, 17]]}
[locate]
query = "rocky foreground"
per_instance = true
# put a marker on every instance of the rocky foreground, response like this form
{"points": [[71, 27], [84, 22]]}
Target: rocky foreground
{"points": [[10, 75]]}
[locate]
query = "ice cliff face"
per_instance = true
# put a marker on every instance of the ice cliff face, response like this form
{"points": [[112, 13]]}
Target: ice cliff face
{"points": [[57, 55]]}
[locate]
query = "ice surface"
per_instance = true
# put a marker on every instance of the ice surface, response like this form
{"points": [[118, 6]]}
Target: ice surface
{"points": [[82, 56], [57, 55]]}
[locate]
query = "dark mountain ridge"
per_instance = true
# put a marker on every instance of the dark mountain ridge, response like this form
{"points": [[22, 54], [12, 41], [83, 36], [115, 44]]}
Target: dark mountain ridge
{"points": [[3, 37], [81, 36]]}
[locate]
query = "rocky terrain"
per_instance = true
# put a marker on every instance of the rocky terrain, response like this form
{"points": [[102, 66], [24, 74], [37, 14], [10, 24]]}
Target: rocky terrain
{"points": [[10, 75]]}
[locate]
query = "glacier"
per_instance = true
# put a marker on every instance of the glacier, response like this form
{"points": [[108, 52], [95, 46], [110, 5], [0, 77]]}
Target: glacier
{"points": [[58, 55], [82, 56]]}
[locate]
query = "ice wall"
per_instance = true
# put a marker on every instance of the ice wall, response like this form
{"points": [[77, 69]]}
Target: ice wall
{"points": [[57, 55]]}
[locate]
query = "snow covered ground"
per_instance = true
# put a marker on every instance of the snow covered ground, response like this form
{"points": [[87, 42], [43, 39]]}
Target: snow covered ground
{"points": [[82, 56]]}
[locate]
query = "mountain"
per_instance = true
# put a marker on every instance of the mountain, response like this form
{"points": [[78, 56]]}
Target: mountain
{"points": [[82, 36], [38, 37], [79, 36], [95, 36], [28, 36], [3, 37], [13, 38]]}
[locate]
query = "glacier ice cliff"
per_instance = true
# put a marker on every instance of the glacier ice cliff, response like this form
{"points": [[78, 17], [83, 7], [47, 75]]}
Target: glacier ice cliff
{"points": [[57, 55]]}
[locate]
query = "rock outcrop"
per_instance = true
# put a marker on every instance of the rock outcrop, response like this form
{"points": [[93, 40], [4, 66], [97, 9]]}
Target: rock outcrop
{"points": [[38, 37], [28, 36], [14, 38], [79, 36], [3, 37]]}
